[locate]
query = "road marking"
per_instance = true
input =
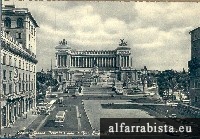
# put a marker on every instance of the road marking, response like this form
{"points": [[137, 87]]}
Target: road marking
{"points": [[78, 117], [37, 129]]}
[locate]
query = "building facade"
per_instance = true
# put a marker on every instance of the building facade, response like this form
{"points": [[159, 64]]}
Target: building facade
{"points": [[18, 63], [69, 61], [194, 67]]}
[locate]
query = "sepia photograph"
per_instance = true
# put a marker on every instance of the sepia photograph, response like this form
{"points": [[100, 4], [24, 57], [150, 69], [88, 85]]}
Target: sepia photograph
{"points": [[96, 69]]}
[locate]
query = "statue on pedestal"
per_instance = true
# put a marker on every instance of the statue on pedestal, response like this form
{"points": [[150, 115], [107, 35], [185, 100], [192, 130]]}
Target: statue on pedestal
{"points": [[123, 43], [63, 42]]}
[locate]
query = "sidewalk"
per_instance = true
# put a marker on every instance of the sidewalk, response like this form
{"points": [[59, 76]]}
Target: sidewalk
{"points": [[19, 124]]}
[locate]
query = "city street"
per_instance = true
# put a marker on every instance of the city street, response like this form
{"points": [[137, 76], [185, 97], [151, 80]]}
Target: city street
{"points": [[83, 112], [78, 119]]}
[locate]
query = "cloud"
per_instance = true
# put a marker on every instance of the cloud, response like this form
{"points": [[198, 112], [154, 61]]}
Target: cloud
{"points": [[156, 32]]}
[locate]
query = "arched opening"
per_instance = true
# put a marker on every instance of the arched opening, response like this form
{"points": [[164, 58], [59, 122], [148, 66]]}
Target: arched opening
{"points": [[20, 23], [7, 22]]}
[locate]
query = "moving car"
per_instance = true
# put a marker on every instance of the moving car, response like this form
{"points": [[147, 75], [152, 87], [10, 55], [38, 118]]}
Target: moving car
{"points": [[59, 119]]}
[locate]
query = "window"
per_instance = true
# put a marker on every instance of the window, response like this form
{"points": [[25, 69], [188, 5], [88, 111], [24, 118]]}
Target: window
{"points": [[10, 75], [10, 60], [26, 78], [20, 23], [19, 87], [10, 88], [34, 31], [23, 86], [23, 76], [19, 77], [29, 37], [18, 35], [31, 86], [4, 89], [31, 29], [19, 63], [23, 65], [4, 59], [29, 25], [196, 99], [15, 88], [4, 74], [7, 32], [15, 64], [26, 66], [7, 22], [26, 86]]}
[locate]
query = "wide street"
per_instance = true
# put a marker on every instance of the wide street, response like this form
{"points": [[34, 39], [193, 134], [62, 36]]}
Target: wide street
{"points": [[76, 120], [83, 112]]}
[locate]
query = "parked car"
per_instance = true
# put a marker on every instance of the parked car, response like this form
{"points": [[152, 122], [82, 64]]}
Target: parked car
{"points": [[172, 116], [74, 96]]}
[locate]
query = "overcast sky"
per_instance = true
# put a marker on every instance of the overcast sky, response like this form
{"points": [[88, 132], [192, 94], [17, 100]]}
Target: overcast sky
{"points": [[158, 33]]}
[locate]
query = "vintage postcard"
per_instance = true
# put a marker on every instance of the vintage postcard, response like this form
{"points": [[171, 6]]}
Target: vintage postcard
{"points": [[79, 69]]}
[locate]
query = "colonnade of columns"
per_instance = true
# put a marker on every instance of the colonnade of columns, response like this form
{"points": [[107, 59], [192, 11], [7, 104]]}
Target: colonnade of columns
{"points": [[124, 62], [61, 60], [87, 62], [93, 61]]}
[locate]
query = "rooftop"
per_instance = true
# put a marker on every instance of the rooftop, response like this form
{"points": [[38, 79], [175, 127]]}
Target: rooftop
{"points": [[11, 10], [198, 28]]}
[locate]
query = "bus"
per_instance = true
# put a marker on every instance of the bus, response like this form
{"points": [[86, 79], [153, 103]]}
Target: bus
{"points": [[52, 95], [185, 101], [60, 117]]}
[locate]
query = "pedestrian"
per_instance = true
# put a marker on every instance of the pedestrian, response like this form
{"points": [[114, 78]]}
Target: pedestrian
{"points": [[5, 135], [9, 135]]}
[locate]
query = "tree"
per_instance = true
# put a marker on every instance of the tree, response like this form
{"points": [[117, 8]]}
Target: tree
{"points": [[173, 80]]}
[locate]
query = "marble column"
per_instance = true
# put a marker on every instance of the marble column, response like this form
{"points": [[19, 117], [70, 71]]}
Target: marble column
{"points": [[120, 61], [61, 62], [104, 62], [125, 62], [74, 61], [128, 61], [83, 62], [69, 60], [113, 62], [131, 62], [66, 60], [90, 62], [97, 61], [110, 62], [86, 62], [56, 60], [78, 61]]}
